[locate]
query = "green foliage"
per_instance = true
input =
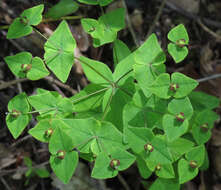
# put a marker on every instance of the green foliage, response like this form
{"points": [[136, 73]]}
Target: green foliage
{"points": [[59, 51], [24, 65], [104, 30], [64, 7], [32, 171], [22, 26], [137, 113]]}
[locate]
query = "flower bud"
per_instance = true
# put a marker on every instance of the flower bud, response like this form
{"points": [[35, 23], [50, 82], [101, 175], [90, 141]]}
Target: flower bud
{"points": [[60, 154], [158, 167], [114, 163], [26, 67], [15, 113], [49, 132], [181, 43], [193, 164], [204, 127], [180, 117], [148, 147], [174, 87]]}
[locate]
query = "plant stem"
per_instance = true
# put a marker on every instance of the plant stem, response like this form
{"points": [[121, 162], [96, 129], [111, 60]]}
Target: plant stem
{"points": [[62, 18], [108, 104], [84, 97], [123, 182], [130, 25], [50, 20], [125, 74]]}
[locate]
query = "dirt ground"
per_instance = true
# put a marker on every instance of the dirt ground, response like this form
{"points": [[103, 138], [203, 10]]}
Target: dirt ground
{"points": [[202, 19]]}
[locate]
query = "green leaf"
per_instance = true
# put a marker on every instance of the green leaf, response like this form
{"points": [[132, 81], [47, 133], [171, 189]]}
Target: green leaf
{"points": [[59, 51], [40, 129], [181, 105], [120, 51], [102, 168], [92, 135], [38, 69], [178, 52], [148, 58], [173, 128], [95, 2], [96, 72], [160, 152], [186, 84], [48, 104], [104, 30], [16, 124], [144, 171], [166, 170], [42, 172], [89, 98], [19, 28], [160, 87], [196, 154], [177, 33], [186, 173], [63, 8], [179, 147], [137, 137], [28, 162], [201, 101], [207, 118], [165, 184], [15, 63], [63, 168]]}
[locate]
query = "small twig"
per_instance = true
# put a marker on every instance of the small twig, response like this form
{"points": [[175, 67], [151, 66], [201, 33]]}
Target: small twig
{"points": [[209, 78], [62, 85], [204, 27], [19, 86], [130, 25], [4, 85], [156, 18], [5, 183], [20, 141], [123, 182], [58, 90], [49, 20], [23, 169]]}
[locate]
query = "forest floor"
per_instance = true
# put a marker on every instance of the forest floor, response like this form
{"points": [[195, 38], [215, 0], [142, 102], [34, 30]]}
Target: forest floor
{"points": [[202, 19]]}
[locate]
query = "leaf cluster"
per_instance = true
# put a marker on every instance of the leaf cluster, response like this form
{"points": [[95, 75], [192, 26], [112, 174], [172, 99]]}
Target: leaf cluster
{"points": [[137, 113]]}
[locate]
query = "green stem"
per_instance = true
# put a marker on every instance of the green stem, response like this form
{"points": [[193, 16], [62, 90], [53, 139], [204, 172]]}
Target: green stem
{"points": [[108, 104], [62, 18], [125, 74], [84, 97]]}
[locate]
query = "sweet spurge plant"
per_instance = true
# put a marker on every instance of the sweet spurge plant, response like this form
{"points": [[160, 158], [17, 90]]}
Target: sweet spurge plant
{"points": [[136, 114]]}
